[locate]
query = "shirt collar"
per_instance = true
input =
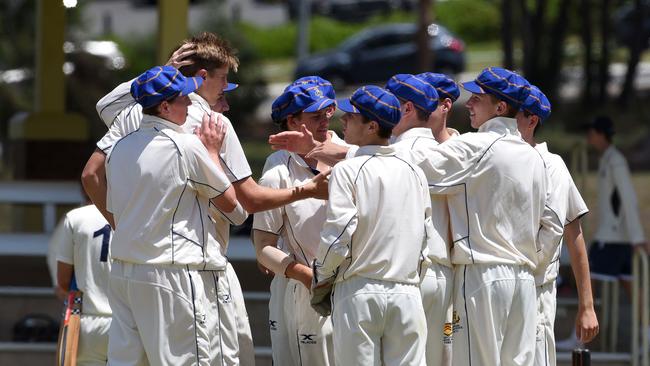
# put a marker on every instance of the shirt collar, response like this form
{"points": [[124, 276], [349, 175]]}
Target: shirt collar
{"points": [[195, 98], [375, 149], [502, 125], [414, 133], [153, 121], [541, 147]]}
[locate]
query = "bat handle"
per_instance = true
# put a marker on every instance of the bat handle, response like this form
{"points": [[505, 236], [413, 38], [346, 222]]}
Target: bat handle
{"points": [[581, 357]]}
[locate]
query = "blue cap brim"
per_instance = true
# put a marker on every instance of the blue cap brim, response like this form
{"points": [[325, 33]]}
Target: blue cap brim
{"points": [[473, 87], [191, 84], [346, 106], [231, 87], [319, 104]]}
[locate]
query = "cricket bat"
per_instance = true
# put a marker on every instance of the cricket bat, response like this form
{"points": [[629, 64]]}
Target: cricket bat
{"points": [[66, 353], [581, 357]]}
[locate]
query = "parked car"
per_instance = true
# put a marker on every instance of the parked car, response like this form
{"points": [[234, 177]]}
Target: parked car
{"points": [[350, 9], [378, 53]]}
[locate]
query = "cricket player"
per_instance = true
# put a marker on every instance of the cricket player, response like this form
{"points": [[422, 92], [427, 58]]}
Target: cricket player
{"points": [[374, 241], [418, 100], [244, 335], [302, 105], [448, 93], [160, 181], [619, 225], [496, 186], [570, 208], [83, 249]]}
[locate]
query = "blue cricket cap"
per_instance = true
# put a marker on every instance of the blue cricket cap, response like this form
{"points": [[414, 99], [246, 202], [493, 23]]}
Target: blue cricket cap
{"points": [[300, 98], [445, 86], [537, 104], [414, 90], [231, 87], [503, 84], [374, 103], [161, 83], [324, 85]]}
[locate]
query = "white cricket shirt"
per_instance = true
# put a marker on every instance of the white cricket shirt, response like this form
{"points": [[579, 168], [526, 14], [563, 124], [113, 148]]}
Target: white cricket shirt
{"points": [[440, 242], [84, 242], [160, 180], [378, 217], [496, 185], [298, 223], [567, 202], [618, 209]]}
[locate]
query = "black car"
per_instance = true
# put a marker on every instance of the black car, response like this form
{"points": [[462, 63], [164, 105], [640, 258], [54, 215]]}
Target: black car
{"points": [[350, 9], [374, 55]]}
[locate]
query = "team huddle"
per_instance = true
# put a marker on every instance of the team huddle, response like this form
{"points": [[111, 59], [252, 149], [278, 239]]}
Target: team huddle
{"points": [[405, 243]]}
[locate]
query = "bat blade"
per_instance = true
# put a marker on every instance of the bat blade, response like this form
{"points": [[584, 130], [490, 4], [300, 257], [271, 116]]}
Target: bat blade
{"points": [[66, 352]]}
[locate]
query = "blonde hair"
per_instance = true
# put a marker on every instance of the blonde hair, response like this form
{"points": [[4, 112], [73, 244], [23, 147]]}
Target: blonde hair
{"points": [[212, 52]]}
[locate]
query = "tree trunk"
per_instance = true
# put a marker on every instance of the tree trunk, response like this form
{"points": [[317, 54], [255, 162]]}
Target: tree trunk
{"points": [[587, 42], [506, 34], [603, 64], [555, 55], [526, 37], [425, 57], [635, 50], [538, 30]]}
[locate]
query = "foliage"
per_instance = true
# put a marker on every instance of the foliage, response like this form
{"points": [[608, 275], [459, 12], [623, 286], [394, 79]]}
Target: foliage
{"points": [[471, 20]]}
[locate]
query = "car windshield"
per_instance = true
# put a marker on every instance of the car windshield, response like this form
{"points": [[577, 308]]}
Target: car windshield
{"points": [[398, 33]]}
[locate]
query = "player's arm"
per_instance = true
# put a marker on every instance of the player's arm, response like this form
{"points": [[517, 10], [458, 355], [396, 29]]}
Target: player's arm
{"points": [[256, 198], [278, 261], [586, 321], [64, 275], [302, 142], [337, 231], [93, 179]]}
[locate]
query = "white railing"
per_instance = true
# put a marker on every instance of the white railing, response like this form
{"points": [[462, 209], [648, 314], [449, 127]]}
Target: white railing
{"points": [[640, 312]]}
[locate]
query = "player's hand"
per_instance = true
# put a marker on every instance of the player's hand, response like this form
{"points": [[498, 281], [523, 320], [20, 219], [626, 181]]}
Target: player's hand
{"points": [[643, 246], [212, 132], [328, 152], [319, 185], [300, 142], [586, 325], [177, 58]]}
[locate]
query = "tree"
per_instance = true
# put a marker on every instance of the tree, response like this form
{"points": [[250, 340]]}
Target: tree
{"points": [[507, 34], [425, 56], [603, 62], [635, 49]]}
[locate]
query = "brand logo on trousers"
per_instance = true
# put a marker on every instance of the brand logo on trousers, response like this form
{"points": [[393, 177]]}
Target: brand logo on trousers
{"points": [[307, 338], [273, 324]]}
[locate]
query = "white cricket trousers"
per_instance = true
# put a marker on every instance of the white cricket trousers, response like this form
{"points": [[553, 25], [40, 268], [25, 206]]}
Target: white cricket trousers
{"points": [[159, 316], [310, 334], [437, 288], [495, 314], [227, 319], [546, 305], [244, 335], [93, 340], [378, 323], [277, 324]]}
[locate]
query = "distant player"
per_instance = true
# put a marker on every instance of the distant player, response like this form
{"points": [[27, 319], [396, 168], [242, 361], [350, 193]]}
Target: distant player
{"points": [[83, 249], [374, 241], [570, 207], [302, 105], [496, 185]]}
